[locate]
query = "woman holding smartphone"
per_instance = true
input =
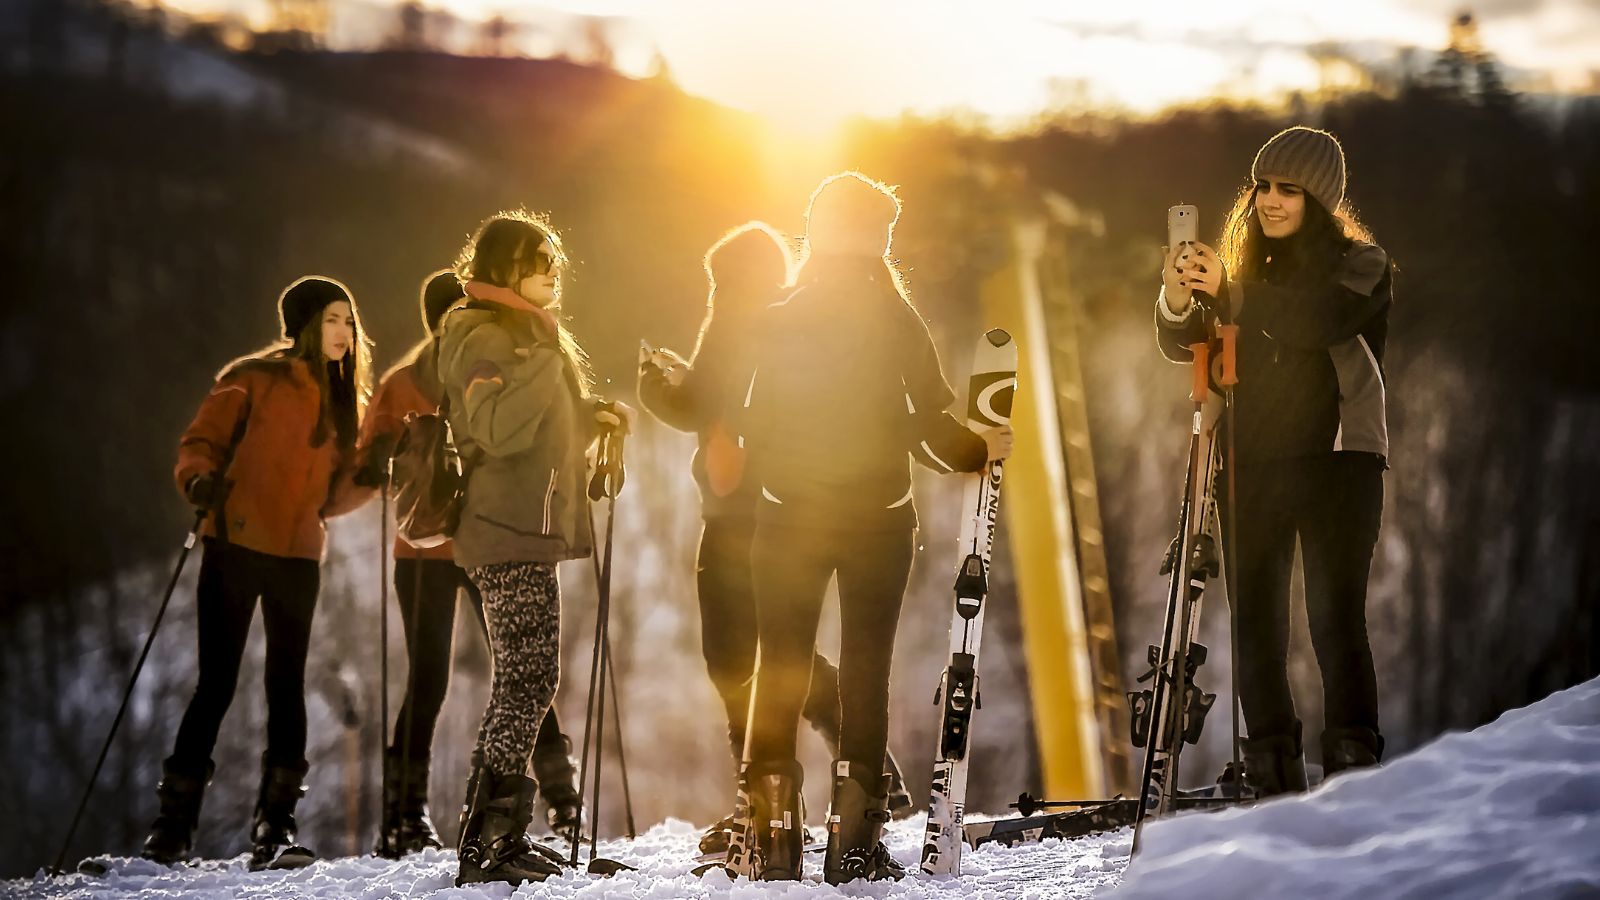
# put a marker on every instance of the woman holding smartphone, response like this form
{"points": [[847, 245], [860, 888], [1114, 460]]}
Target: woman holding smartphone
{"points": [[1310, 292]]}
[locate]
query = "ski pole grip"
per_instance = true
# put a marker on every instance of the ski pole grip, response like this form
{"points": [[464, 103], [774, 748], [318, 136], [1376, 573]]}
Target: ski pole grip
{"points": [[1202, 369], [1230, 347]]}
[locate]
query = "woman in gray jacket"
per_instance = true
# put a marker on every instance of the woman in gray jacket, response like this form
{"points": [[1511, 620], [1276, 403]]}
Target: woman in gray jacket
{"points": [[522, 414]]}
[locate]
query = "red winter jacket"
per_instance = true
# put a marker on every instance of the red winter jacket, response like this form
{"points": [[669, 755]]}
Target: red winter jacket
{"points": [[255, 427], [402, 392]]}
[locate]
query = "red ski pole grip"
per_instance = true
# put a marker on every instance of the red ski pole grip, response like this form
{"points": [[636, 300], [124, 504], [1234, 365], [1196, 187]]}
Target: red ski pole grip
{"points": [[1230, 347], [1202, 368]]}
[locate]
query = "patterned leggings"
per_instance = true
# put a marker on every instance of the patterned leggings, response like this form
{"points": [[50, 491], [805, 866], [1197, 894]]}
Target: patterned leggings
{"points": [[522, 604]]}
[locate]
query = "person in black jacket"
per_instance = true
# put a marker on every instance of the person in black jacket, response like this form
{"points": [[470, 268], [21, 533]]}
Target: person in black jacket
{"points": [[1310, 293], [847, 388], [748, 268]]}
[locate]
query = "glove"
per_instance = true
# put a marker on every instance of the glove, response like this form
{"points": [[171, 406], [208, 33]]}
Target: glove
{"points": [[374, 466], [203, 490]]}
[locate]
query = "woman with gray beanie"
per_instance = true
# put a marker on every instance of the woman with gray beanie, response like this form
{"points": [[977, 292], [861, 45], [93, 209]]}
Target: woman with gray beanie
{"points": [[1310, 292]]}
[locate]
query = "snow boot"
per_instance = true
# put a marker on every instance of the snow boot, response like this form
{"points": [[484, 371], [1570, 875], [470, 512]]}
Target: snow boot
{"points": [[181, 791], [494, 831], [558, 788], [855, 826], [1275, 764], [777, 819], [273, 833], [1349, 748], [407, 827]]}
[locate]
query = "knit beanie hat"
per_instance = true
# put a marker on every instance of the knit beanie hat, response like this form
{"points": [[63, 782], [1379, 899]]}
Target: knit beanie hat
{"points": [[1308, 157], [304, 299], [439, 293]]}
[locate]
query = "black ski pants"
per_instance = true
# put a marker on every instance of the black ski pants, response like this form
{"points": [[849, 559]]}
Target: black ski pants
{"points": [[232, 579], [1333, 504], [792, 566], [728, 633], [426, 589]]}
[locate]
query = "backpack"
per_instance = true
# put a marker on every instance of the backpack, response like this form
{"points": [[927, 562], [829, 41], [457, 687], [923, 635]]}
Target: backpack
{"points": [[428, 480]]}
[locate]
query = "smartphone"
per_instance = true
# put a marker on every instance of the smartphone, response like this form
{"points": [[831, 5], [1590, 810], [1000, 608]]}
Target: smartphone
{"points": [[1183, 224]]}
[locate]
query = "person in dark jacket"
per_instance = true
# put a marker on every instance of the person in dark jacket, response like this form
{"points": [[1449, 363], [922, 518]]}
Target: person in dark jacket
{"points": [[426, 580], [1310, 292], [748, 268], [847, 390], [523, 416], [267, 457]]}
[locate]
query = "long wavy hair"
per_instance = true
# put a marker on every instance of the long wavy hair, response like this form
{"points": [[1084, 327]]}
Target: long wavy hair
{"points": [[500, 251], [745, 269], [1314, 249], [344, 385]]}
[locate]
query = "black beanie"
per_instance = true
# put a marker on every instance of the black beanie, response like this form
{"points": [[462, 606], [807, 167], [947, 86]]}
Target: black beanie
{"points": [[439, 292], [304, 299]]}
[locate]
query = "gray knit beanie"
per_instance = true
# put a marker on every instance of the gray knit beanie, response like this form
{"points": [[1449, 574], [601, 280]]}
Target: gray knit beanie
{"points": [[1310, 158]]}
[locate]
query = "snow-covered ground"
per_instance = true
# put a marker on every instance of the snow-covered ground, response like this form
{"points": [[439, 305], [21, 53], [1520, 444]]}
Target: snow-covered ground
{"points": [[1509, 810], [664, 855]]}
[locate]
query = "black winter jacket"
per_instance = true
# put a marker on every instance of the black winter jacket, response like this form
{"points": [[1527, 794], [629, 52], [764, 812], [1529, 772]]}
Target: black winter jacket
{"points": [[1310, 357]]}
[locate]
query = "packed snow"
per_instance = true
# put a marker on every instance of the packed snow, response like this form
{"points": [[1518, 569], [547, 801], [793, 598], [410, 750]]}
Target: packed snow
{"points": [[1509, 810]]}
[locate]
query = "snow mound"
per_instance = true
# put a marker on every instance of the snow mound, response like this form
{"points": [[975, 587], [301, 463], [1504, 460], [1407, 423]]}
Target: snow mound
{"points": [[664, 855], [1509, 810]]}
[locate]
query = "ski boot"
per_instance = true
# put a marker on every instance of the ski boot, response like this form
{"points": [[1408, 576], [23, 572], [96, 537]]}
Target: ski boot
{"points": [[273, 833], [776, 818], [855, 827], [1349, 748], [1275, 764], [407, 827], [181, 791], [494, 822], [558, 788]]}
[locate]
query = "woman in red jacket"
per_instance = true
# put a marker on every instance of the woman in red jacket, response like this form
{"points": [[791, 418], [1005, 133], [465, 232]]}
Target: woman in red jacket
{"points": [[426, 581], [262, 457]]}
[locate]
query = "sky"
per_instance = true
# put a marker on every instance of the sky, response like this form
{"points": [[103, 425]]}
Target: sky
{"points": [[813, 63]]}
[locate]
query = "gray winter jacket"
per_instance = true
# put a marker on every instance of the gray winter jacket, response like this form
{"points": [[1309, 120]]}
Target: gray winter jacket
{"points": [[522, 426]]}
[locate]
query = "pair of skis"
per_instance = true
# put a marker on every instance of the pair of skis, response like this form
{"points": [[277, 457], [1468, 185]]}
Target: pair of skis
{"points": [[989, 399]]}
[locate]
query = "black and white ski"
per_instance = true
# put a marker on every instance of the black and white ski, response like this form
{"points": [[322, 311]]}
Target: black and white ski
{"points": [[993, 386]]}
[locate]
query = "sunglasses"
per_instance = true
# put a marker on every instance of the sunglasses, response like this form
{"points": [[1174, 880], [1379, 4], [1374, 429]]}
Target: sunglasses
{"points": [[544, 261]]}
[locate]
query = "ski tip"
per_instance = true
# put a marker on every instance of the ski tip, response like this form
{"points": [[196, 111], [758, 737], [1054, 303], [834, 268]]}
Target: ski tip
{"points": [[998, 337]]}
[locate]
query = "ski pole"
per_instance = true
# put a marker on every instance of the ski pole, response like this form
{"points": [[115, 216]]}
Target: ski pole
{"points": [[607, 481], [88, 790], [1230, 377], [383, 642], [622, 753]]}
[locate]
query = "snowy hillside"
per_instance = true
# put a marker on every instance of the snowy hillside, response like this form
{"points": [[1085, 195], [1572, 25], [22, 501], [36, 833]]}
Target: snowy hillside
{"points": [[1509, 810]]}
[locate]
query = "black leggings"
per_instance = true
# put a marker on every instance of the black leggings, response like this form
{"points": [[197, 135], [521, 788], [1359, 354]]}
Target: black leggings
{"points": [[1334, 504], [792, 567], [426, 589], [728, 633], [231, 579]]}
